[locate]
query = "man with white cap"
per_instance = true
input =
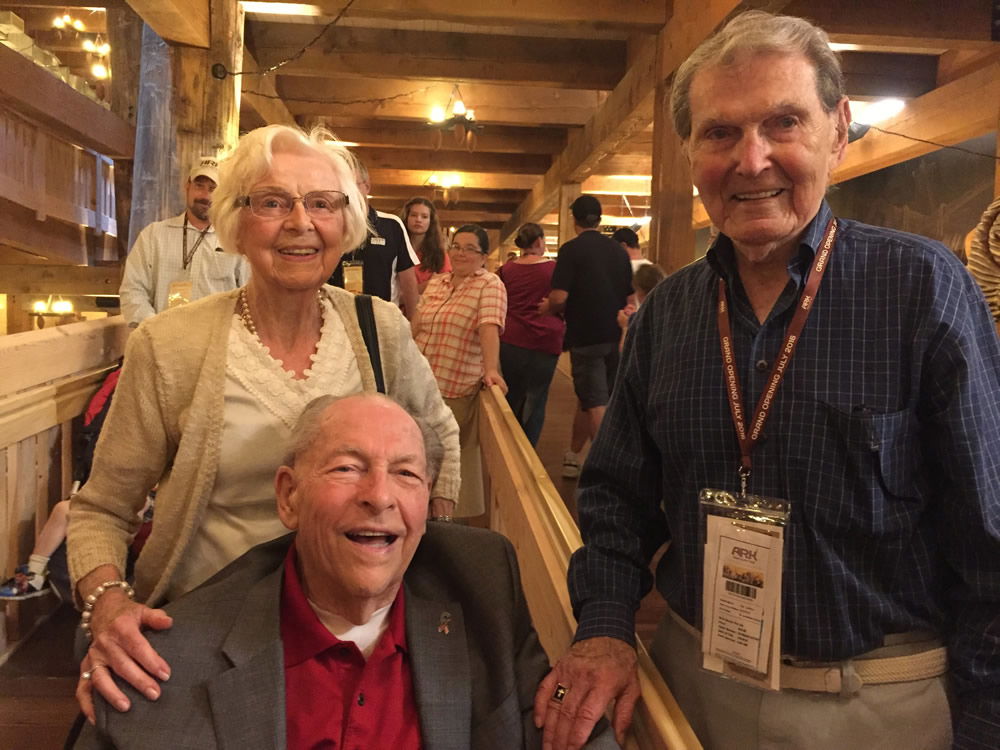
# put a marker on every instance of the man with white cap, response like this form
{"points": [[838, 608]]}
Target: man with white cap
{"points": [[178, 260]]}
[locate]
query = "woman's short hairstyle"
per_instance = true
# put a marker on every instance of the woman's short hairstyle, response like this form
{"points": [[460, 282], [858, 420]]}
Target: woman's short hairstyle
{"points": [[528, 235], [758, 32], [251, 160], [432, 248], [484, 239]]}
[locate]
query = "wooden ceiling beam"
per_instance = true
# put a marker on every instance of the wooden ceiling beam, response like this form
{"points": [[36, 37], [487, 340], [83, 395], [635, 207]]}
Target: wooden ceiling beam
{"points": [[393, 205], [626, 164], [494, 138], [955, 64], [641, 15], [448, 215], [31, 90], [418, 178], [871, 74], [60, 4], [412, 100], [179, 21], [399, 194], [452, 161], [39, 21], [885, 22], [955, 112], [352, 51], [260, 94], [628, 110], [915, 45]]}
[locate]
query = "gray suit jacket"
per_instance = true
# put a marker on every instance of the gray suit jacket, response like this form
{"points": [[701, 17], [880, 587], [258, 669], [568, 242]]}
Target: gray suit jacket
{"points": [[474, 685]]}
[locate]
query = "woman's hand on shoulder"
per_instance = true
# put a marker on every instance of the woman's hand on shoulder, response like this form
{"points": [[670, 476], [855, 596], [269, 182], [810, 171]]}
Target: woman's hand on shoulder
{"points": [[119, 646]]}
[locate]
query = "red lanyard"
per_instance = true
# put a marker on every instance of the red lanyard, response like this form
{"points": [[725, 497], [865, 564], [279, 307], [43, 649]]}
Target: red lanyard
{"points": [[749, 440]]}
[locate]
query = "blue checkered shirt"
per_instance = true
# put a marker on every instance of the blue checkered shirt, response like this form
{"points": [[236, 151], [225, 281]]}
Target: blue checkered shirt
{"points": [[884, 436]]}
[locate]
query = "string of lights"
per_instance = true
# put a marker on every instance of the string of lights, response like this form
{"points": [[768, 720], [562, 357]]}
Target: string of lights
{"points": [[293, 58], [372, 100]]}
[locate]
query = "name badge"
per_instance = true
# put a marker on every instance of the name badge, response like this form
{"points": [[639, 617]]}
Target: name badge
{"points": [[179, 293], [744, 544], [373, 240], [353, 275]]}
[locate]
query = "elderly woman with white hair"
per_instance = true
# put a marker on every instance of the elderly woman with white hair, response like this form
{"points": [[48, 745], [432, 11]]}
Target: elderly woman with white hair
{"points": [[210, 392]]}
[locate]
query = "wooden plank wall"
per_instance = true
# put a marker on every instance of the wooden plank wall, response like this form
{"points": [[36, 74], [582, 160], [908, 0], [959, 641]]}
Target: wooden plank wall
{"points": [[46, 379], [524, 506]]}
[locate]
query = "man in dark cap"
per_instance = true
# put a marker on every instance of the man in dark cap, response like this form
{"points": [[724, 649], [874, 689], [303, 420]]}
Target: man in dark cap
{"points": [[591, 283]]}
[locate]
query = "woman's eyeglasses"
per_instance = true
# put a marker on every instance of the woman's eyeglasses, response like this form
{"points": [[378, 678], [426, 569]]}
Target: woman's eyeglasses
{"points": [[456, 248], [274, 204]]}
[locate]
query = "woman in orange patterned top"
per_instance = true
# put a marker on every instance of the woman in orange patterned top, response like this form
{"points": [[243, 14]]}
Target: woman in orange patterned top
{"points": [[457, 327]]}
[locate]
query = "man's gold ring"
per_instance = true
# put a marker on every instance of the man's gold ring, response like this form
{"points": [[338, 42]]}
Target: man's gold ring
{"points": [[560, 692]]}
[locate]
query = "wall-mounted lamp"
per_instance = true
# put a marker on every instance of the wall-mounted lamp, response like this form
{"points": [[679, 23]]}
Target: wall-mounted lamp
{"points": [[60, 310]]}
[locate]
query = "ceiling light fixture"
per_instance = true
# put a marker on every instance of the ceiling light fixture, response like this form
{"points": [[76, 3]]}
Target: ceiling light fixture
{"points": [[283, 9], [456, 117], [866, 114], [447, 187]]}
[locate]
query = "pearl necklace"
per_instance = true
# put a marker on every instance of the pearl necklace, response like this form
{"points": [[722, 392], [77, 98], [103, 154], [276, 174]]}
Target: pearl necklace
{"points": [[247, 318]]}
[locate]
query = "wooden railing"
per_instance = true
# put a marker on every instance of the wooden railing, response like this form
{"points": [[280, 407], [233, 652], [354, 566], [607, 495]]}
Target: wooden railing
{"points": [[46, 379], [527, 509], [53, 177]]}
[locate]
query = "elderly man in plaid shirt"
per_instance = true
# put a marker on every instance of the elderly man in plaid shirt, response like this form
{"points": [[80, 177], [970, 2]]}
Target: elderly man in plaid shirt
{"points": [[850, 375]]}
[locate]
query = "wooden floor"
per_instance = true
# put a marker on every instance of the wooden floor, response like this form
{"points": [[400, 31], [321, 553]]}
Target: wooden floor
{"points": [[37, 706]]}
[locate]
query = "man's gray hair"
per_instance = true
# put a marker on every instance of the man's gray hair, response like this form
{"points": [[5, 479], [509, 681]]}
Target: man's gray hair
{"points": [[309, 426], [756, 32]]}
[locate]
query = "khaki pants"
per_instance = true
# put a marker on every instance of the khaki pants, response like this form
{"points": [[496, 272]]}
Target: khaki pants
{"points": [[728, 715], [470, 498]]}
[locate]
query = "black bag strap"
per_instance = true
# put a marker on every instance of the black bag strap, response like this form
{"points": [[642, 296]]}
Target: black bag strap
{"points": [[366, 319]]}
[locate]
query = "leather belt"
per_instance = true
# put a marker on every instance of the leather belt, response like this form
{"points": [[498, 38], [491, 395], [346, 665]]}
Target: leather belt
{"points": [[928, 659]]}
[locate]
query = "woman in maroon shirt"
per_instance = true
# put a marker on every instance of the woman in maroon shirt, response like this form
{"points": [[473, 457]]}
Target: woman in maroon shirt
{"points": [[531, 343]]}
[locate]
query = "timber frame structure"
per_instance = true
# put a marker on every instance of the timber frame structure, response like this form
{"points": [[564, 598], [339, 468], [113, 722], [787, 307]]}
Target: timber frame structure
{"points": [[571, 98]]}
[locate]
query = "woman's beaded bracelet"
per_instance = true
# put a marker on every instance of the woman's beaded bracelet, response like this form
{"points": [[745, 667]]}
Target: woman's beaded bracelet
{"points": [[92, 597]]}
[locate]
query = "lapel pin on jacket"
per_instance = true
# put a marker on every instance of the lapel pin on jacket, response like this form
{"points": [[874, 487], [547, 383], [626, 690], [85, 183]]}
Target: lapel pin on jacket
{"points": [[443, 625]]}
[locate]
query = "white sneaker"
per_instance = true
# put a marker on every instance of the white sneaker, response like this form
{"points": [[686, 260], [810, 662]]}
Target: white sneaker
{"points": [[571, 465]]}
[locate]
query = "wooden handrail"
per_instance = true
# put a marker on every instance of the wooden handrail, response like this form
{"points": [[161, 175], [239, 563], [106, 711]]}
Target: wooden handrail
{"points": [[47, 377], [525, 506], [35, 358]]}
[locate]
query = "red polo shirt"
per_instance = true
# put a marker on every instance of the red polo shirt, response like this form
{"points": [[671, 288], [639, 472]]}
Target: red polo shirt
{"points": [[334, 699]]}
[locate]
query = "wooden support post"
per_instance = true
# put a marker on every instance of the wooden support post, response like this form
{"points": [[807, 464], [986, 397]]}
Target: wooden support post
{"points": [[125, 37], [18, 319], [671, 236], [200, 118], [207, 108], [568, 193], [155, 175]]}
